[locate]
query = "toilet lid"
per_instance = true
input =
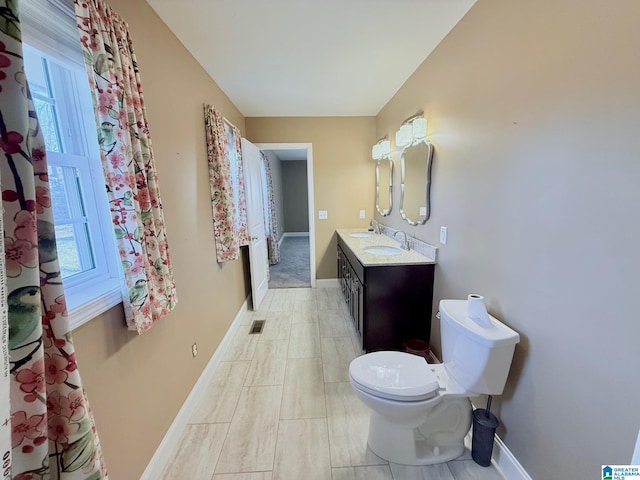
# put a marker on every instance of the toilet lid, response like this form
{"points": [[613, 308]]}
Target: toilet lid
{"points": [[394, 375]]}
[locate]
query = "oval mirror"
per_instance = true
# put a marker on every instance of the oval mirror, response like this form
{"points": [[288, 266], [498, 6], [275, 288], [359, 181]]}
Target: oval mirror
{"points": [[384, 186], [415, 206]]}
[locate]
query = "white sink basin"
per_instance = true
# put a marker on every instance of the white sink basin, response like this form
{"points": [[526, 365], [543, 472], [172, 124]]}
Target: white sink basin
{"points": [[382, 250], [361, 234]]}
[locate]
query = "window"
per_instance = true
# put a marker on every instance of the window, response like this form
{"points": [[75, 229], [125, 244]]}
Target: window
{"points": [[83, 228]]}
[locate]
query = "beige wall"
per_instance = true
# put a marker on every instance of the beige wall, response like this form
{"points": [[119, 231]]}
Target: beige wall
{"points": [[136, 384], [534, 109], [343, 173], [295, 194]]}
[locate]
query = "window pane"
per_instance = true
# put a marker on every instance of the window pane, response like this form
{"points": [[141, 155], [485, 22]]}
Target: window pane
{"points": [[57, 185], [72, 235], [36, 73], [37, 70], [47, 119], [73, 252]]}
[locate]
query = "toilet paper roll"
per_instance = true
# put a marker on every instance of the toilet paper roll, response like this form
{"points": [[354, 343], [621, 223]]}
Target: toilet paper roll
{"points": [[477, 310]]}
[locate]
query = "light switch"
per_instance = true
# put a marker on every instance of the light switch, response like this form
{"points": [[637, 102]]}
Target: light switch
{"points": [[322, 215], [423, 211], [443, 235], [362, 214]]}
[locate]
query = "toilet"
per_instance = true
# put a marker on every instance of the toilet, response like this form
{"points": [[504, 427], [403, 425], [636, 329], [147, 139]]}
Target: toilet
{"points": [[420, 412]]}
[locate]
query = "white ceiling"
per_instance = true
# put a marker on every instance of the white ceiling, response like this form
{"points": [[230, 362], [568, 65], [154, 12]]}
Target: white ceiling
{"points": [[289, 154], [310, 57]]}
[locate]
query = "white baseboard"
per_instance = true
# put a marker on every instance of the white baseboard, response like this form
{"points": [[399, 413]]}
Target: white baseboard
{"points": [[291, 234], [327, 283], [169, 443], [507, 463]]}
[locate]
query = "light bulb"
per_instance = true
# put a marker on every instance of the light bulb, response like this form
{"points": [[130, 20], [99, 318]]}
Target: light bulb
{"points": [[385, 148], [375, 152], [419, 127], [403, 136]]}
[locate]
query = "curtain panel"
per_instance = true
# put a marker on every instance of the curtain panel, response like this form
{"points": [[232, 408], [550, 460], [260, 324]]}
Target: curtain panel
{"points": [[226, 181], [128, 164], [53, 435], [270, 213], [241, 197]]}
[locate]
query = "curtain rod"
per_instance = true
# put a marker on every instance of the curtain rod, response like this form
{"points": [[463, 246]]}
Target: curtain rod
{"points": [[206, 105], [229, 123]]}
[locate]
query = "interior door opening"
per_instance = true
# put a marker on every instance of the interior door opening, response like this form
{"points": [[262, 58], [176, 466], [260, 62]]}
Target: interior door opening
{"points": [[292, 175]]}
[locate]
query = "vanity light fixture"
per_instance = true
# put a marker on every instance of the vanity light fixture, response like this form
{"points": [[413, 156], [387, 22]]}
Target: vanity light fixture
{"points": [[413, 128], [381, 149], [375, 152]]}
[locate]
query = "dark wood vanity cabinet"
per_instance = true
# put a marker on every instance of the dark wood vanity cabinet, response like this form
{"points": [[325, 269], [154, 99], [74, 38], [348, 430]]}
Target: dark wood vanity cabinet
{"points": [[387, 303], [353, 291]]}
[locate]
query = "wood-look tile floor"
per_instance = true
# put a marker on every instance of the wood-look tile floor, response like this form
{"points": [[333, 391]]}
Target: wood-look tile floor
{"points": [[280, 406]]}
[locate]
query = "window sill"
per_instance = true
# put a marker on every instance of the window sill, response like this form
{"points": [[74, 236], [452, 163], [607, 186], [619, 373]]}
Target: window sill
{"points": [[91, 302]]}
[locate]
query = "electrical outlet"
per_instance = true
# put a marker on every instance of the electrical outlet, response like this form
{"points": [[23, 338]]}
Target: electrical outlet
{"points": [[362, 214], [194, 350], [322, 215], [423, 211], [443, 235]]}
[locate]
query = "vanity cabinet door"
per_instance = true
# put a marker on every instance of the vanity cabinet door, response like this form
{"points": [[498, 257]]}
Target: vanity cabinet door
{"points": [[353, 292], [344, 276], [358, 316], [352, 303]]}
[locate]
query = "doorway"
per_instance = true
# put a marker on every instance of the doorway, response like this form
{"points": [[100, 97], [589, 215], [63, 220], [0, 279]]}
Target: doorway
{"points": [[296, 244]]}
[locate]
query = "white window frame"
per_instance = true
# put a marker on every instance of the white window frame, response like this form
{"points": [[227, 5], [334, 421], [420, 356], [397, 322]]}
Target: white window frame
{"points": [[96, 290]]}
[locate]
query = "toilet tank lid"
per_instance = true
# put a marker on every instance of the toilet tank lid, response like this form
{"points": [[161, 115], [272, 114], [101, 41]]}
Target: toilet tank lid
{"points": [[454, 312]]}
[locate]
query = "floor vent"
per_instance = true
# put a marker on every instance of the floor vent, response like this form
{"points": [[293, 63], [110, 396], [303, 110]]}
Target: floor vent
{"points": [[256, 327]]}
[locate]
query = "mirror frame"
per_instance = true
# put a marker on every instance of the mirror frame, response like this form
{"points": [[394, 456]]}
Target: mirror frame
{"points": [[384, 213], [428, 183]]}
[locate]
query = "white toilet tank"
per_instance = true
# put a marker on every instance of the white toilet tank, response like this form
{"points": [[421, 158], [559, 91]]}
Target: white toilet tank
{"points": [[478, 358]]}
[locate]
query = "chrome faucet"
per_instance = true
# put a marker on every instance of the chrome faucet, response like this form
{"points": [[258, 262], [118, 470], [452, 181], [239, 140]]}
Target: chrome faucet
{"points": [[377, 226], [404, 245]]}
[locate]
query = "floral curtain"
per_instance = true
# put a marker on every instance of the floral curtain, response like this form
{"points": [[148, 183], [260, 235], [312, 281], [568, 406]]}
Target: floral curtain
{"points": [[53, 434], [270, 213], [241, 198], [226, 179], [128, 164]]}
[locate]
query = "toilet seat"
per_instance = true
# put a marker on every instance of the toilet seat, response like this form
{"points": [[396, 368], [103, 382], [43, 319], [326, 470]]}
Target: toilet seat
{"points": [[394, 376]]}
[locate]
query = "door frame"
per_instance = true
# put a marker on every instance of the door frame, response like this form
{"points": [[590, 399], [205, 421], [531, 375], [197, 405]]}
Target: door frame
{"points": [[312, 229]]}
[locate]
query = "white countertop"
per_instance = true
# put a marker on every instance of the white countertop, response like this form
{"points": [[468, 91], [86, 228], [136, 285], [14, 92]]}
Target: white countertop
{"points": [[358, 245]]}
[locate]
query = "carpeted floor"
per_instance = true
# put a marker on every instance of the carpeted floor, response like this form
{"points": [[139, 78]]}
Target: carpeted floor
{"points": [[293, 269]]}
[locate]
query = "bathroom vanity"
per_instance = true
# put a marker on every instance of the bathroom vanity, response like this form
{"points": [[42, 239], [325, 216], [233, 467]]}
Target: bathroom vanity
{"points": [[388, 291]]}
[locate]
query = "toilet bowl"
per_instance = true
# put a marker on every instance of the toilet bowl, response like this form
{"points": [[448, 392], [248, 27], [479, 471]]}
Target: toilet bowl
{"points": [[407, 394], [420, 413]]}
